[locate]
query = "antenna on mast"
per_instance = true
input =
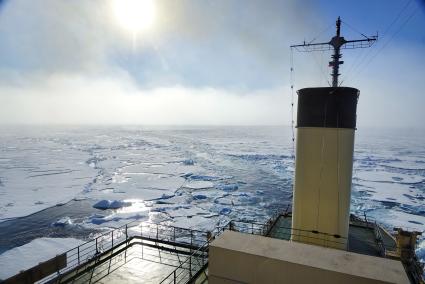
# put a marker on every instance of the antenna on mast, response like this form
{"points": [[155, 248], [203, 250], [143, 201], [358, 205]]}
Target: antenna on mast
{"points": [[336, 43]]}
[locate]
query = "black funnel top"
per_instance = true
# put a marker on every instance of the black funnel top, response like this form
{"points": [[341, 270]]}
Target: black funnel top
{"points": [[327, 107]]}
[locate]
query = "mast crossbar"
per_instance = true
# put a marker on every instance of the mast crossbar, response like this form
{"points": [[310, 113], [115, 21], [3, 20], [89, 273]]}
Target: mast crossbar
{"points": [[336, 44]]}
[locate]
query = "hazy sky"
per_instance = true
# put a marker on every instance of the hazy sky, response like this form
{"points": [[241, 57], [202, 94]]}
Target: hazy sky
{"points": [[203, 62]]}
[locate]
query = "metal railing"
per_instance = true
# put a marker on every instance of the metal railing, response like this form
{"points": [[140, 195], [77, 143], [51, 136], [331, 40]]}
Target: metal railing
{"points": [[284, 232], [271, 229], [192, 267], [144, 251], [377, 230], [198, 241], [91, 250], [379, 239]]}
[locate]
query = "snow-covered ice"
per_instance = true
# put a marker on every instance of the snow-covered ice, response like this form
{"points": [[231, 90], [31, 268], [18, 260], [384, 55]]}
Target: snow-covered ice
{"points": [[62, 222], [380, 175], [111, 204], [29, 255], [200, 184], [192, 177]]}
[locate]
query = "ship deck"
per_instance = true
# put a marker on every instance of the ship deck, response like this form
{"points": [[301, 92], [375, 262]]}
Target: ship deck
{"points": [[159, 253], [364, 237]]}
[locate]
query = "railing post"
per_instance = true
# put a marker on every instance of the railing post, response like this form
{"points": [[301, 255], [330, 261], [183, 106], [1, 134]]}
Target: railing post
{"points": [[190, 266], [78, 253], [96, 246], [174, 233], [157, 231], [190, 257], [112, 238], [141, 230], [174, 276], [252, 228], [203, 255], [191, 240], [231, 226], [126, 233]]}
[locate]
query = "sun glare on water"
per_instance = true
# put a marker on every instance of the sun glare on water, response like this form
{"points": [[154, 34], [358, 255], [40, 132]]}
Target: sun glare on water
{"points": [[135, 15]]}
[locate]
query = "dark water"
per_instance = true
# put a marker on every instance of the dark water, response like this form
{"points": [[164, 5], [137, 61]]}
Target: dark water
{"points": [[20, 231]]}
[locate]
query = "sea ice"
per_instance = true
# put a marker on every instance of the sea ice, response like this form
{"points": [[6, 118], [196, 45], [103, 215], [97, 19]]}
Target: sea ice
{"points": [[197, 177], [228, 187], [24, 196], [389, 192], [197, 222], [160, 168], [390, 177], [199, 197], [62, 222], [29, 255], [399, 219], [199, 184], [110, 204], [209, 193], [140, 186], [115, 219], [193, 178]]}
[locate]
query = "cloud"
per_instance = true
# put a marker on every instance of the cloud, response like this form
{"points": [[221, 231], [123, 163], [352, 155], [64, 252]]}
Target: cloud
{"points": [[206, 62], [81, 100], [232, 44], [52, 36]]}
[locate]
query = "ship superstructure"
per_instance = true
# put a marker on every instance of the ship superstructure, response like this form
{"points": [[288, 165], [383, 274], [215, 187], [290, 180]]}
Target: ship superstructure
{"points": [[322, 242]]}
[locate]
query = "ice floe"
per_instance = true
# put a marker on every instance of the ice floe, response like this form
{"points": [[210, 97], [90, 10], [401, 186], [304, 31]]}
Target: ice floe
{"points": [[200, 184], [390, 193], [228, 187], [389, 177], [399, 219], [62, 222], [199, 197], [29, 255], [110, 204]]}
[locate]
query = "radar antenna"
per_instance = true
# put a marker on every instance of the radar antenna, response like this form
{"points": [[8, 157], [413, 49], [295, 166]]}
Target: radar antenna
{"points": [[336, 43]]}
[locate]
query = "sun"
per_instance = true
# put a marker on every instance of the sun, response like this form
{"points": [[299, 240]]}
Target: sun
{"points": [[135, 15]]}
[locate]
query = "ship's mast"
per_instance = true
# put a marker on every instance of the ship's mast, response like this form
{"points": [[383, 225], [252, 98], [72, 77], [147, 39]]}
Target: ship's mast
{"points": [[336, 43]]}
